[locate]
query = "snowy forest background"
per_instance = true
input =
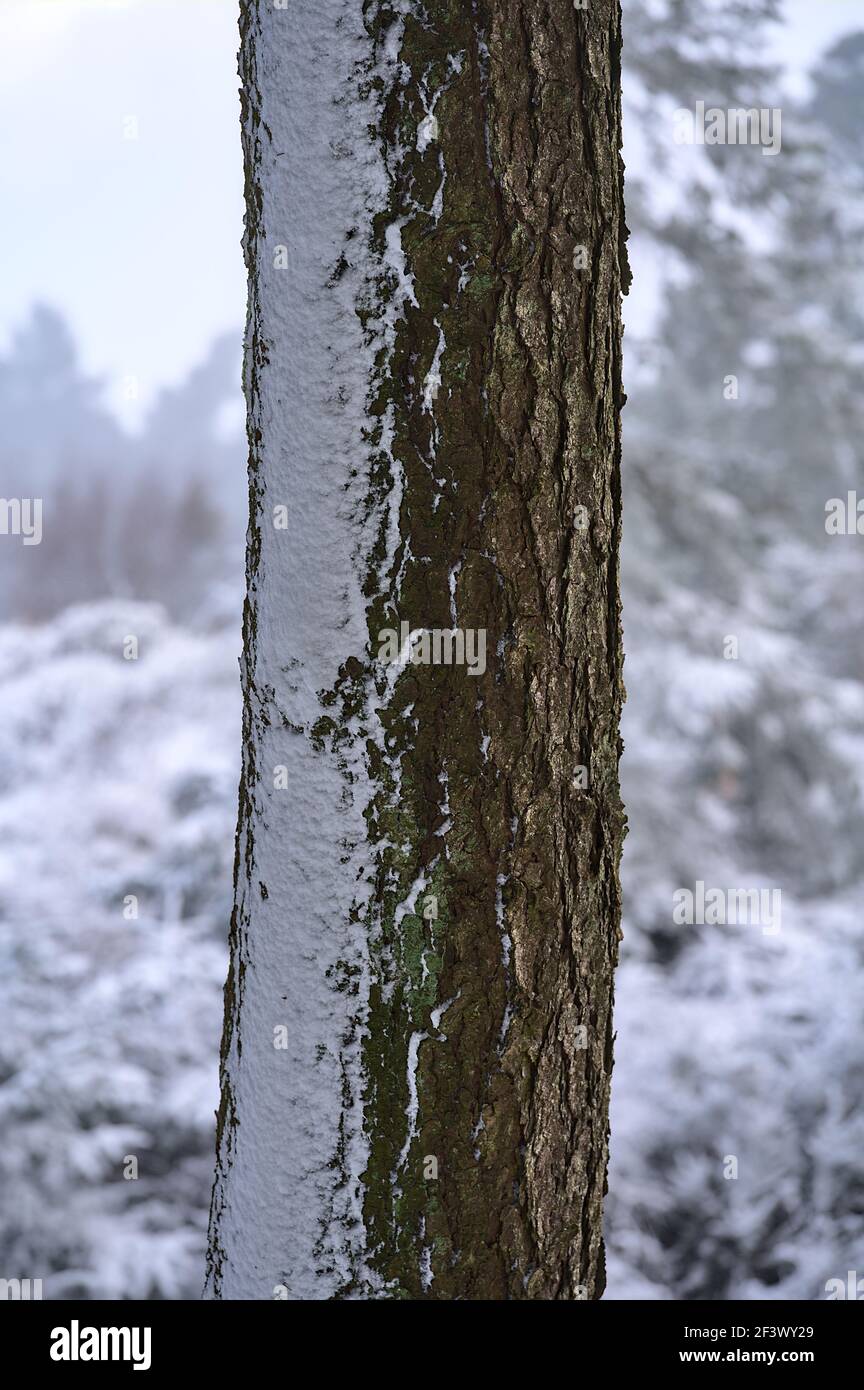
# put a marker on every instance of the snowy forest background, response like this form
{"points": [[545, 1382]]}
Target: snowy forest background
{"points": [[119, 777]]}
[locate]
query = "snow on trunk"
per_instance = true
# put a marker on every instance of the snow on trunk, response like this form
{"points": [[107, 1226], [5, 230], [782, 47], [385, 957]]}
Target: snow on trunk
{"points": [[294, 1048]]}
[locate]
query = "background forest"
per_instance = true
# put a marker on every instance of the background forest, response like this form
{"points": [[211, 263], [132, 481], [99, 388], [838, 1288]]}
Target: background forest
{"points": [[118, 778]]}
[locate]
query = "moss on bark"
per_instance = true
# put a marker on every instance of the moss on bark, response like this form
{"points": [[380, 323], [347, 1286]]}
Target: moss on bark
{"points": [[523, 169]]}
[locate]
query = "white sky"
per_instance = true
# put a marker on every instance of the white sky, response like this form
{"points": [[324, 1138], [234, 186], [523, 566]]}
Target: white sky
{"points": [[811, 26], [138, 241]]}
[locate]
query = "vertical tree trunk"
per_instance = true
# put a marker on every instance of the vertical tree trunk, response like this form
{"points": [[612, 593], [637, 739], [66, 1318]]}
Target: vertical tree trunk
{"points": [[418, 1037]]}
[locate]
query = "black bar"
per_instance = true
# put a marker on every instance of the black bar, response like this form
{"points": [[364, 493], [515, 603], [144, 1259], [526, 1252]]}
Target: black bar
{"points": [[249, 1339]]}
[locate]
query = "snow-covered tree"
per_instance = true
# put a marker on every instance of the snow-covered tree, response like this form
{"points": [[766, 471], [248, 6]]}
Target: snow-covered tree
{"points": [[744, 418], [418, 1036]]}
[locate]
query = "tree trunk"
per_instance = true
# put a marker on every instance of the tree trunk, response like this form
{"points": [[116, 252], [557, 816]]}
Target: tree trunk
{"points": [[418, 1037]]}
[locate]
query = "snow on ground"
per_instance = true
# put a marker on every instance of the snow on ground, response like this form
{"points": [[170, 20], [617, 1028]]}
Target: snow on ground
{"points": [[117, 780]]}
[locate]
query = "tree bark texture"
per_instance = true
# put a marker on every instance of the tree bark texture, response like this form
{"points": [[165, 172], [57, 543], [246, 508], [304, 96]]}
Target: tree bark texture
{"points": [[427, 892]]}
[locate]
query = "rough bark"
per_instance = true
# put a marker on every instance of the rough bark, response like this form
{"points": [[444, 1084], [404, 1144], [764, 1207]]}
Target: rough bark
{"points": [[470, 329]]}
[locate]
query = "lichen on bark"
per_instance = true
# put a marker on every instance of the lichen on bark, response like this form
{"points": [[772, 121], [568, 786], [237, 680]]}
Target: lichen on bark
{"points": [[524, 430]]}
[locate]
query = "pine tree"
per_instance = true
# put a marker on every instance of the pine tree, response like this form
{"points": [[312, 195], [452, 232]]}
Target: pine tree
{"points": [[418, 1039], [743, 419]]}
